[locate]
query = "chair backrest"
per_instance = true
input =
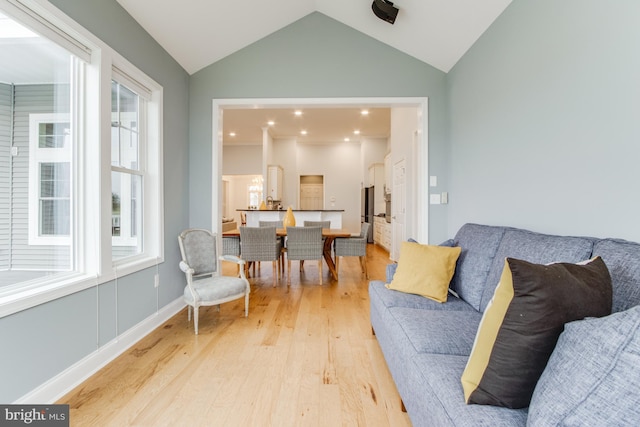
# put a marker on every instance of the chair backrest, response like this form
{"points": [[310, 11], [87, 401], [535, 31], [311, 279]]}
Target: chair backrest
{"points": [[304, 242], [259, 244], [276, 224], [231, 245], [364, 229], [198, 250], [322, 224]]}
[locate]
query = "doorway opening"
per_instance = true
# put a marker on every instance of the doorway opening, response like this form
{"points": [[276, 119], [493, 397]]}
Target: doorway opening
{"points": [[417, 215], [311, 192]]}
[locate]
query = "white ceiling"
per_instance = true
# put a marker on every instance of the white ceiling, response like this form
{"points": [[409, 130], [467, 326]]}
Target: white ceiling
{"points": [[198, 33], [322, 124]]}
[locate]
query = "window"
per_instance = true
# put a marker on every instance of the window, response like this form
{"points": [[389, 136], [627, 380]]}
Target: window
{"points": [[56, 179], [254, 191], [127, 173], [49, 179]]}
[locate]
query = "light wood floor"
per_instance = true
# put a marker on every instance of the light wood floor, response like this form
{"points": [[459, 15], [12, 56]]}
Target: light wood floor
{"points": [[305, 356]]}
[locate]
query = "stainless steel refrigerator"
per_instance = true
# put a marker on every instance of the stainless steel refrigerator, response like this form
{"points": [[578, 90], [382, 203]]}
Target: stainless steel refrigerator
{"points": [[367, 210]]}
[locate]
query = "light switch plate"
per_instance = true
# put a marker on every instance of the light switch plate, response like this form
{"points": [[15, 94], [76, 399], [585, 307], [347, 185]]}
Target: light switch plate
{"points": [[434, 199], [433, 181], [444, 198]]}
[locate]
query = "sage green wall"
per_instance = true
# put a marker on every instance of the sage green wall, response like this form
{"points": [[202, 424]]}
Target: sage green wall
{"points": [[545, 123], [42, 341], [315, 57]]}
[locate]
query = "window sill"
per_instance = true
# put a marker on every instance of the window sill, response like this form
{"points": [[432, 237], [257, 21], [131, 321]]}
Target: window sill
{"points": [[30, 295]]}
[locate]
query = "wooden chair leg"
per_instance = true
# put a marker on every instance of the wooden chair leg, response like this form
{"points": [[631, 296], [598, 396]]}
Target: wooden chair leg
{"points": [[288, 272], [275, 272], [320, 270]]}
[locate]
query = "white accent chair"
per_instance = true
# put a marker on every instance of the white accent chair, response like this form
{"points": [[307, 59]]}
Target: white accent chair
{"points": [[205, 286]]}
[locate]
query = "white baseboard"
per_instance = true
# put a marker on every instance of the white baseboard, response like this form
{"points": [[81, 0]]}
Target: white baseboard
{"points": [[52, 390]]}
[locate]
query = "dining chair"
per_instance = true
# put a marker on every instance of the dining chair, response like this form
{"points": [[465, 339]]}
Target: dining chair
{"points": [[354, 246], [323, 224], [304, 243], [260, 244], [205, 286], [283, 248], [231, 246]]}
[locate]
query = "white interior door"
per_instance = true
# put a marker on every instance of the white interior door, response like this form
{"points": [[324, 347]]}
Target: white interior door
{"points": [[311, 196], [398, 208]]}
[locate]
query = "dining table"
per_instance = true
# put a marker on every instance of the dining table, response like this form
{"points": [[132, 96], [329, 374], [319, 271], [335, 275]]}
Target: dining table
{"points": [[329, 235]]}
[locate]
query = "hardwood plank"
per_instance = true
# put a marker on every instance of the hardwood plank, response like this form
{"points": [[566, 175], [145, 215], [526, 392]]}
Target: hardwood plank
{"points": [[304, 356]]}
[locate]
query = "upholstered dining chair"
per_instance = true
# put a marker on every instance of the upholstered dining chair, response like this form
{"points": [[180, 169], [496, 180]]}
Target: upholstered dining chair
{"points": [[260, 244], [354, 246], [304, 243], [205, 286]]}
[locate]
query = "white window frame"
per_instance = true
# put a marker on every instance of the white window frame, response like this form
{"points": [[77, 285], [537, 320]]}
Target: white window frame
{"points": [[37, 156], [150, 164], [125, 238], [91, 197]]}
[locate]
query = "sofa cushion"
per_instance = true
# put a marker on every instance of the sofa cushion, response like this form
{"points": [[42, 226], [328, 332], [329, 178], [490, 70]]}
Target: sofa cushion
{"points": [[593, 375], [536, 248], [435, 331], [623, 259], [522, 323], [479, 244], [436, 399], [386, 298], [425, 270]]}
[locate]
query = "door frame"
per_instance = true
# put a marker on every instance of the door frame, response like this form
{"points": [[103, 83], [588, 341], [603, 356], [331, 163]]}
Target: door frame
{"points": [[421, 152]]}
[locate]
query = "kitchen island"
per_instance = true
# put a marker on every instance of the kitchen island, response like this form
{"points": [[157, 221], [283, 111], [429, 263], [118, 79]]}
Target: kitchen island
{"points": [[254, 216]]}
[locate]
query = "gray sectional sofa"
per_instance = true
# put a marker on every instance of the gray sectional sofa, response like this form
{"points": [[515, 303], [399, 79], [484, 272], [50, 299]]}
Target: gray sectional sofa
{"points": [[426, 344]]}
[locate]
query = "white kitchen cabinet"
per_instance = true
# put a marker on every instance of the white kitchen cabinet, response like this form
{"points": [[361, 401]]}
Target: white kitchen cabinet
{"points": [[274, 182], [382, 232]]}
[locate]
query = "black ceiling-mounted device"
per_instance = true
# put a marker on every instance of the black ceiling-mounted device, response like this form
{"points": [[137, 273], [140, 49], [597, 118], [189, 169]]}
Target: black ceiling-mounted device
{"points": [[385, 10]]}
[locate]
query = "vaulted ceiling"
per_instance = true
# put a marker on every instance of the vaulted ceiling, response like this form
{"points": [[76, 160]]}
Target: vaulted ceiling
{"points": [[198, 33]]}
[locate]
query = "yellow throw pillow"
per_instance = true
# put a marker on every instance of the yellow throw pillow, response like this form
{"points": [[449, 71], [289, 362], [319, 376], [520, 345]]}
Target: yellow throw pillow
{"points": [[425, 270]]}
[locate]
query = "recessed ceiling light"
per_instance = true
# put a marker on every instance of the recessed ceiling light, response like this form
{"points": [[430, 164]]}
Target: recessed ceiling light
{"points": [[346, 140], [356, 132], [232, 134], [298, 113], [303, 132], [271, 123], [365, 112]]}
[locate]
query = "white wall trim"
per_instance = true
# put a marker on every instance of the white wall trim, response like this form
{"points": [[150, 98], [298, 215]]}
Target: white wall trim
{"points": [[67, 380]]}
